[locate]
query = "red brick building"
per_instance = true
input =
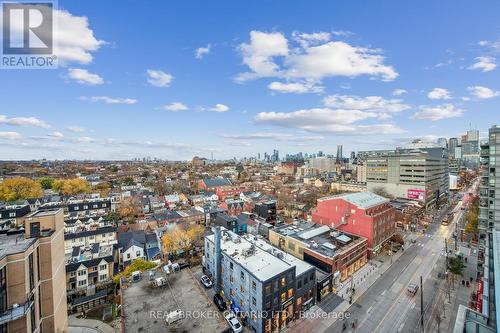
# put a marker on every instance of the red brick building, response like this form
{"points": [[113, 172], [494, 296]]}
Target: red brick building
{"points": [[364, 214]]}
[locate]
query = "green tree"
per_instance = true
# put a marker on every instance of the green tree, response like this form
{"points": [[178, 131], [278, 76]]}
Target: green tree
{"points": [[46, 182], [455, 267], [128, 181]]}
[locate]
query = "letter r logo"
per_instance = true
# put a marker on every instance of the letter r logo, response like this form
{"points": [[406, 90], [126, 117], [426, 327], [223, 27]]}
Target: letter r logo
{"points": [[27, 27]]}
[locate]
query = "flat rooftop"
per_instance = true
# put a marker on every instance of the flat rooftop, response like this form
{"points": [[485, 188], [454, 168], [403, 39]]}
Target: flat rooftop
{"points": [[14, 243], [319, 238], [47, 212], [363, 200], [265, 261]]}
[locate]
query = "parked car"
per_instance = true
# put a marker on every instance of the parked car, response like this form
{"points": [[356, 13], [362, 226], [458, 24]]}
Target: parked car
{"points": [[220, 303], [412, 289], [206, 282], [233, 322], [183, 265]]}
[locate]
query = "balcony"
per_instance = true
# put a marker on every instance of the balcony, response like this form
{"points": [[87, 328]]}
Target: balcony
{"points": [[18, 311]]}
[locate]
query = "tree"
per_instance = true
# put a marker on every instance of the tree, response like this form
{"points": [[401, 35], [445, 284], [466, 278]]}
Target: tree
{"points": [[137, 265], [46, 182], [174, 240], [129, 209], [455, 267], [128, 181], [19, 188], [103, 189], [195, 233], [472, 218], [76, 186]]}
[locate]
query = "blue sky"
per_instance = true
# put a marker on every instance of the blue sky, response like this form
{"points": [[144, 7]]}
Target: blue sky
{"points": [[182, 78]]}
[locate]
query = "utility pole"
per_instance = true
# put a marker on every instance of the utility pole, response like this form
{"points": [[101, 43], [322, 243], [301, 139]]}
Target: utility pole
{"points": [[421, 304]]}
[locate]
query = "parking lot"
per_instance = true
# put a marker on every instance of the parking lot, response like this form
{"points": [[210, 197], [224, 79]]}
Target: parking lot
{"points": [[146, 308]]}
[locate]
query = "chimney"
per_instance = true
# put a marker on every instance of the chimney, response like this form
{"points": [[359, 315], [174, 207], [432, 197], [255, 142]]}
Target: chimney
{"points": [[218, 254]]}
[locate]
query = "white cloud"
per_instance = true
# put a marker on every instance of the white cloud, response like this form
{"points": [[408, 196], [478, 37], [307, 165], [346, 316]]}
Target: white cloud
{"points": [[202, 51], [338, 59], [84, 76], [23, 121], [272, 136], [325, 120], [75, 41], [109, 100], [10, 135], [75, 129], [295, 87], [175, 106], [494, 45], [439, 93], [484, 64], [482, 92], [259, 53], [439, 112], [159, 78], [399, 92], [56, 134], [219, 108], [372, 103], [315, 58], [305, 39]]}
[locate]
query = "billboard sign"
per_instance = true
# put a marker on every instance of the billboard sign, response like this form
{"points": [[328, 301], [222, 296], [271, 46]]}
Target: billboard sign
{"points": [[416, 194]]}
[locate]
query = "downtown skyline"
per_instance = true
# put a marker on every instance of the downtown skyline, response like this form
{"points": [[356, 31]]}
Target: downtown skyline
{"points": [[256, 77]]}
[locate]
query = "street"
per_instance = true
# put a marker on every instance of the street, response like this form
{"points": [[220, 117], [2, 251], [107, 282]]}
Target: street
{"points": [[385, 306]]}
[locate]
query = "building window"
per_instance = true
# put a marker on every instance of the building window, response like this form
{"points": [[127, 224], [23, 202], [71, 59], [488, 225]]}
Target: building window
{"points": [[231, 279], [254, 301], [268, 289], [231, 292], [103, 267], [290, 293], [82, 272], [254, 286], [242, 275], [103, 277], [82, 283], [242, 289], [31, 271], [283, 281], [231, 265], [283, 297], [137, 253]]}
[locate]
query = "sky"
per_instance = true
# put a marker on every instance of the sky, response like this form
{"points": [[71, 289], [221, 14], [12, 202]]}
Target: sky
{"points": [[175, 79]]}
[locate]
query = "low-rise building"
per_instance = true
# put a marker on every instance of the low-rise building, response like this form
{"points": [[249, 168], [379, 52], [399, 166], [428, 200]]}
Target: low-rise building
{"points": [[332, 251], [363, 214], [87, 238], [88, 267], [269, 285]]}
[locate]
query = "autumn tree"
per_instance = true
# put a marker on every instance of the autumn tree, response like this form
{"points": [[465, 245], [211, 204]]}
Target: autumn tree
{"points": [[103, 189], [129, 209], [19, 188], [182, 239]]}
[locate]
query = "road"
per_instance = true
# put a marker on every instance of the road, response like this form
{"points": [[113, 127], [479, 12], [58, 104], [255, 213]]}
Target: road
{"points": [[385, 306]]}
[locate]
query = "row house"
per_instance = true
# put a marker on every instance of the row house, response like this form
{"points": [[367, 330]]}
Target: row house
{"points": [[13, 215], [137, 244], [103, 236]]}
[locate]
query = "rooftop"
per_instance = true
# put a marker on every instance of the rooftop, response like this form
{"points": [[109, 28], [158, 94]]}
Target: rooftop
{"points": [[95, 251], [360, 199], [258, 257], [321, 239], [14, 243]]}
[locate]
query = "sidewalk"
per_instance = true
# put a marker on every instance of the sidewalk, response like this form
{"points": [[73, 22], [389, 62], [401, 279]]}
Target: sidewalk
{"points": [[316, 320], [77, 325]]}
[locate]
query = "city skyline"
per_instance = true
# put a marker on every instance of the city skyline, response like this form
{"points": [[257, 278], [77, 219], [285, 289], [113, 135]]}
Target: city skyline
{"points": [[253, 80]]}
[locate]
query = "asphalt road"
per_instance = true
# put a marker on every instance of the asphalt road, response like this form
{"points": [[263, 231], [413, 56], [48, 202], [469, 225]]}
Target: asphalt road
{"points": [[385, 306]]}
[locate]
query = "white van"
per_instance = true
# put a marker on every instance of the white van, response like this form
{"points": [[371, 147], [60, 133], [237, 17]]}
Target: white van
{"points": [[160, 282]]}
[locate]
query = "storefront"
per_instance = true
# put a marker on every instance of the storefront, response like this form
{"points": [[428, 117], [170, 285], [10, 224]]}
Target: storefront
{"points": [[324, 287]]}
